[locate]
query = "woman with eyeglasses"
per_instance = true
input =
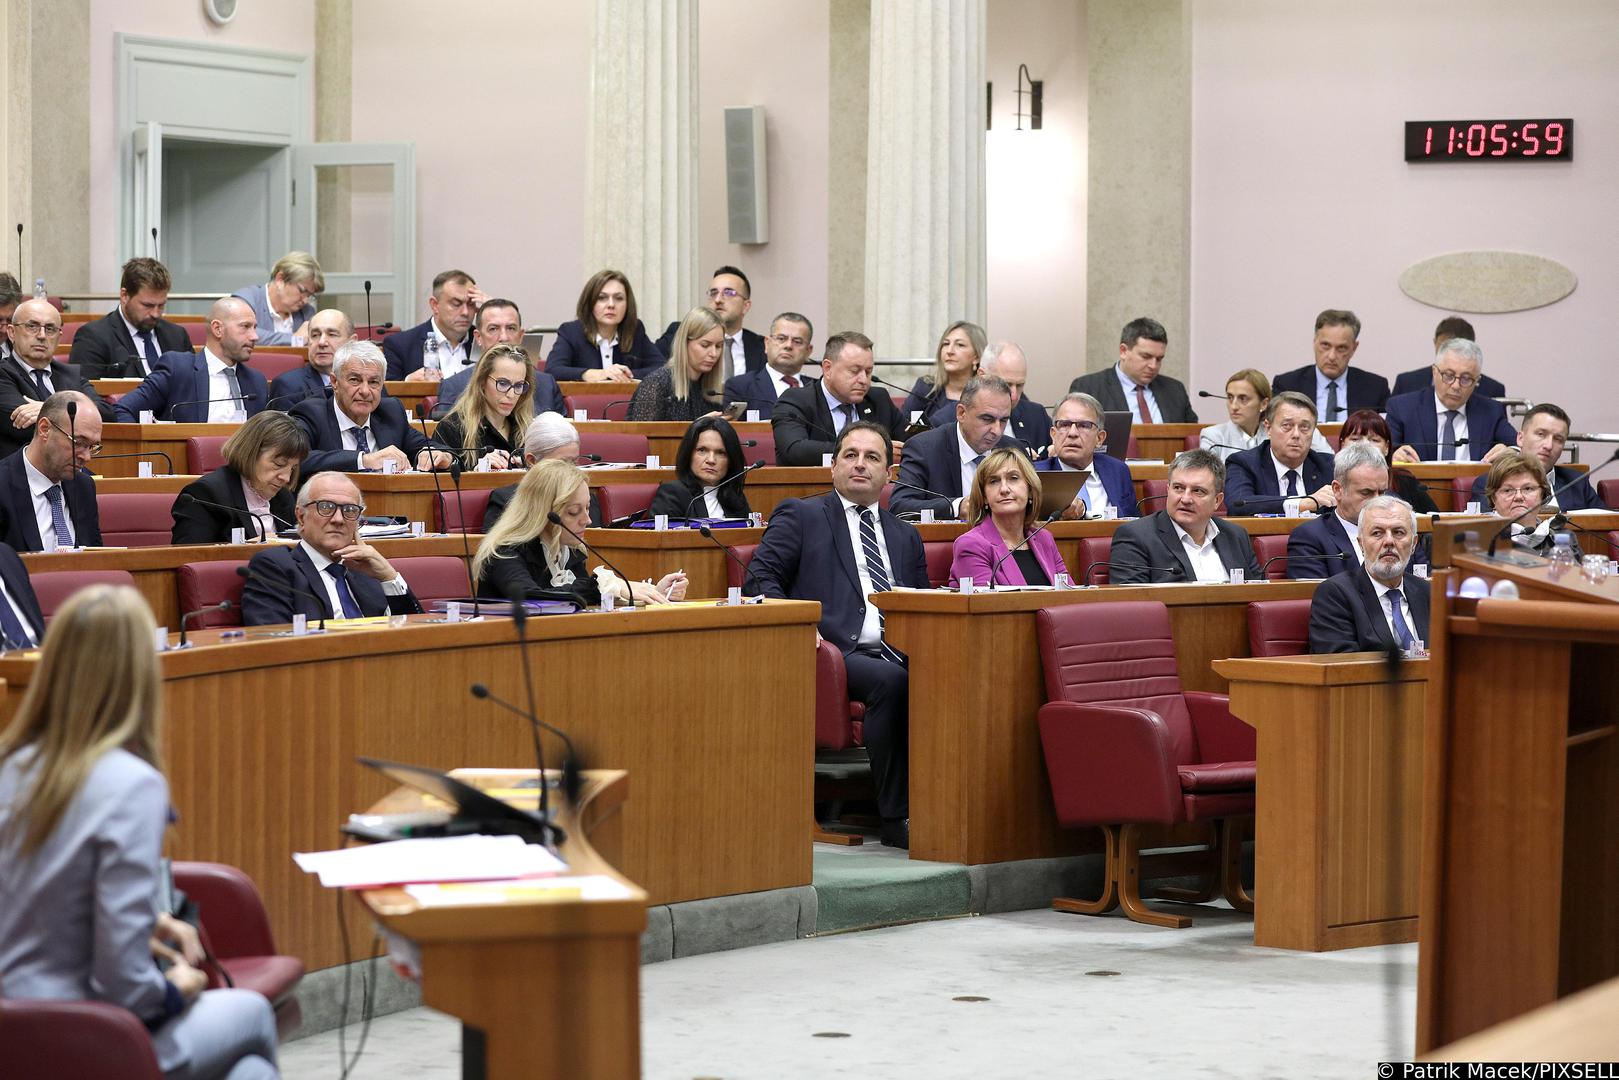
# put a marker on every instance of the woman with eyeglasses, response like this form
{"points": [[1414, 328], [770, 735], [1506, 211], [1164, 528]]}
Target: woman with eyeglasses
{"points": [[253, 491], [707, 482], [487, 424], [954, 362], [83, 808], [1514, 486], [689, 385], [285, 304]]}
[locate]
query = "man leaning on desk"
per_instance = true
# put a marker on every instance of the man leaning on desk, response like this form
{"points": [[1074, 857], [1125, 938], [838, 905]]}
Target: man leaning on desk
{"points": [[330, 573], [359, 428]]}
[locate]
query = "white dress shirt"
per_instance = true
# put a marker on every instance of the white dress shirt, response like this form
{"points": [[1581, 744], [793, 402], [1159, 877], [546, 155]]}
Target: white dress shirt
{"points": [[1291, 507], [1388, 608], [1221, 438], [281, 324], [1205, 560], [38, 484], [22, 619], [711, 504], [346, 428], [1352, 528], [221, 409], [138, 336], [871, 628], [839, 418], [779, 381], [451, 358], [396, 587], [604, 346], [28, 375], [1439, 431], [969, 471], [1130, 387], [1094, 494]]}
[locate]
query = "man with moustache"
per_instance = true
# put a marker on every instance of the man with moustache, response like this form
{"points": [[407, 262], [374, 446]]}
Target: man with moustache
{"points": [[1381, 606]]}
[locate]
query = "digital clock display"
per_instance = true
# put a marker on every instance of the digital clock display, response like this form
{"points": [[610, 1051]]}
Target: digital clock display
{"points": [[1483, 140]]}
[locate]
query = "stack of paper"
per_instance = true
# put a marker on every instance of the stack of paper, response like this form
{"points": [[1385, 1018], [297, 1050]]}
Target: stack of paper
{"points": [[449, 858]]}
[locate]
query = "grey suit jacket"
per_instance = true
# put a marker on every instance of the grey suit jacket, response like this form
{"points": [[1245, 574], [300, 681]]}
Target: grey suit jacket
{"points": [[258, 298], [1148, 550], [1170, 394]]}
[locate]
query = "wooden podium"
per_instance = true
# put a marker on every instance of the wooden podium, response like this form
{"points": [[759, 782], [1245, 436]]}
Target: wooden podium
{"points": [[1520, 864]]}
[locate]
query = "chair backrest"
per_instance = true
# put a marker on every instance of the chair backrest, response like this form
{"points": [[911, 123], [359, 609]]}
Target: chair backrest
{"points": [[1192, 441], [435, 577], [1608, 493], [204, 584], [75, 1038], [1613, 543], [885, 495], [69, 328], [205, 453], [1279, 627], [763, 450], [1093, 555], [733, 572], [53, 588], [197, 332], [136, 518], [1154, 493], [613, 447], [1461, 493], [595, 405], [270, 364], [1267, 548], [939, 555], [622, 500], [448, 517], [1119, 653]]}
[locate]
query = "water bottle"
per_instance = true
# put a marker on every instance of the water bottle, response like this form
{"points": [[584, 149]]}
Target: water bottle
{"points": [[39, 288], [1562, 556], [430, 356]]}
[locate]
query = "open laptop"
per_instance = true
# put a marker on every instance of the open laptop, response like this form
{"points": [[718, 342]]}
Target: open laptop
{"points": [[1117, 426]]}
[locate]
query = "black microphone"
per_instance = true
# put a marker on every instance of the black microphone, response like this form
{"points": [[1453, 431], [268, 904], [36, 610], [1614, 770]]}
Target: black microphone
{"points": [[438, 488], [247, 396], [556, 519], [737, 476], [571, 780], [72, 423], [1547, 501], [245, 572], [1246, 508], [586, 457], [1175, 569], [466, 544], [916, 487], [520, 622], [140, 454], [1207, 394], [995, 569], [1264, 571], [747, 573], [155, 254], [19, 253], [186, 496], [370, 331], [624, 402], [223, 605], [916, 427]]}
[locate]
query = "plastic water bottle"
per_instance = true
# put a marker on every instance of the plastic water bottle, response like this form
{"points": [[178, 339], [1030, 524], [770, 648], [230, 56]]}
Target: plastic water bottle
{"points": [[1562, 556], [430, 356], [39, 289]]}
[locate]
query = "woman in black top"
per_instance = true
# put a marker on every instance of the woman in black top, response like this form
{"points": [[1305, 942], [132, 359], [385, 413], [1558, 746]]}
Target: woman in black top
{"points": [[253, 491], [709, 456], [689, 385], [493, 411]]}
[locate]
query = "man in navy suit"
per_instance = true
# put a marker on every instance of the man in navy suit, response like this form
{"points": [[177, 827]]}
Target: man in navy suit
{"points": [[454, 301], [1430, 424], [126, 343], [1336, 388], [1077, 433], [499, 322], [807, 421], [1030, 424], [1281, 475], [21, 622], [359, 428], [729, 297], [331, 573], [1384, 606], [943, 460], [328, 329], [47, 496], [1409, 382], [1329, 544], [787, 349], [212, 387], [839, 549], [1543, 434], [1184, 541], [30, 375]]}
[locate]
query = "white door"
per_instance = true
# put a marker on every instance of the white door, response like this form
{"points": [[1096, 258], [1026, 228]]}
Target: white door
{"points": [[147, 220], [226, 213], [354, 207]]}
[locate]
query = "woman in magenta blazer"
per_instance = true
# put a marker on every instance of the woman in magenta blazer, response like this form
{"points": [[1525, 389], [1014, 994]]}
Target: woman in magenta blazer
{"points": [[1004, 506]]}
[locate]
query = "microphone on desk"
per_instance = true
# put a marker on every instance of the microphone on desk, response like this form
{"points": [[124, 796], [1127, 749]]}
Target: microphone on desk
{"points": [[571, 768], [1174, 569], [140, 454], [747, 573], [738, 475], [1547, 501], [186, 496], [370, 331], [993, 570], [246, 574], [72, 427], [466, 544], [1246, 507], [246, 396], [1264, 571], [438, 488], [608, 407], [223, 605], [519, 615], [587, 457], [556, 519], [917, 487]]}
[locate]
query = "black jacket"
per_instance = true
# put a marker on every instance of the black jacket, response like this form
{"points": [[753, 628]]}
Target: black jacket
{"points": [[103, 348], [197, 523]]}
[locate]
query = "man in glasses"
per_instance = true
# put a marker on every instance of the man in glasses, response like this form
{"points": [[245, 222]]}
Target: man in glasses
{"points": [[331, 573], [359, 429], [1448, 421], [47, 498], [499, 323], [787, 349], [31, 375], [1076, 436], [729, 296]]}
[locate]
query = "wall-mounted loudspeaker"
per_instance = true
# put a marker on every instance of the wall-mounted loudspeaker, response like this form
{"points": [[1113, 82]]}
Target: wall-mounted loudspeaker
{"points": [[747, 203]]}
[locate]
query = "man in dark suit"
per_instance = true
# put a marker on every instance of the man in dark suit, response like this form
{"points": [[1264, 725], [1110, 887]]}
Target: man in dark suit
{"points": [[1030, 424], [327, 329], [1134, 385], [1543, 435], [47, 496], [787, 349], [1281, 475], [937, 470], [729, 297], [1077, 434], [1430, 424], [839, 549], [126, 343], [1409, 382], [454, 301], [1384, 606], [1328, 544], [345, 577], [214, 386], [807, 421], [21, 622], [1336, 388], [1184, 541], [499, 322], [30, 375], [359, 428]]}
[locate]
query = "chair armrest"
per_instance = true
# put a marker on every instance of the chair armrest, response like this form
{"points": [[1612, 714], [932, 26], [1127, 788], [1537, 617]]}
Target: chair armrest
{"points": [[74, 1038], [232, 912], [1220, 736], [832, 728], [1109, 764]]}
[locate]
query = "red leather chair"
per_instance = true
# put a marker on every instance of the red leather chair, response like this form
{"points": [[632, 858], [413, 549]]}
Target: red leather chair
{"points": [[54, 587], [762, 450], [733, 573], [615, 447], [885, 495], [1132, 449], [236, 931], [622, 500], [1125, 746], [1279, 627], [448, 517], [435, 577], [136, 518], [939, 554], [1608, 493], [75, 1038], [595, 405], [1613, 543], [1093, 555], [1267, 548], [428, 407], [1461, 493], [68, 330], [271, 364], [205, 584], [205, 453], [1154, 493], [1192, 442], [197, 332]]}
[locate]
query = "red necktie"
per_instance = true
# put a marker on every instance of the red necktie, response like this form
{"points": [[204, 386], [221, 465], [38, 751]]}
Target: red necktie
{"points": [[790, 380], [1141, 403]]}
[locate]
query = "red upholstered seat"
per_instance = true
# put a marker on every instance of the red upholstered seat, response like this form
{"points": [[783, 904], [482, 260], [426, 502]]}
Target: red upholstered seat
{"points": [[1192, 442], [427, 407], [435, 577], [448, 518], [1125, 745], [733, 573], [615, 447], [53, 587], [1461, 493], [74, 1038], [205, 584], [197, 332], [1132, 449], [271, 364], [1093, 556], [1279, 627], [1267, 548], [622, 500], [1613, 543], [939, 555], [205, 453], [237, 933], [1608, 493], [759, 448], [885, 495], [597, 405], [136, 518]]}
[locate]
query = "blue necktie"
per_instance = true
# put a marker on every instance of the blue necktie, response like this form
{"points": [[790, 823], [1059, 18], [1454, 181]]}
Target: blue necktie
{"points": [[16, 633], [1292, 483], [1402, 632], [64, 535], [149, 340], [340, 574]]}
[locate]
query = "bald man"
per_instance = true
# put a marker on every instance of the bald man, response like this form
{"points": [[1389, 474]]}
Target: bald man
{"points": [[327, 329], [214, 386], [31, 374]]}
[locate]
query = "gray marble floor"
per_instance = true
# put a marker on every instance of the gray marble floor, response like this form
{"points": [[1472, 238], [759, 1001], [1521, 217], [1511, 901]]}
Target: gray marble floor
{"points": [[1065, 995]]}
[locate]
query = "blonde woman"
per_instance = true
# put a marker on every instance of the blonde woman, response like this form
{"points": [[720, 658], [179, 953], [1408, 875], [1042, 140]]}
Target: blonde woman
{"points": [[689, 385], [83, 805], [285, 304], [489, 419], [955, 361], [1004, 510]]}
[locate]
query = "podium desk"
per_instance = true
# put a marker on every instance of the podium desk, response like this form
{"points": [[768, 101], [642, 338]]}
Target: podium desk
{"points": [[1339, 803], [262, 734], [979, 791], [550, 983]]}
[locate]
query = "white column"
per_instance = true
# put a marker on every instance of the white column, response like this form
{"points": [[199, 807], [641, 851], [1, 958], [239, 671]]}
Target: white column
{"points": [[641, 162], [924, 173]]}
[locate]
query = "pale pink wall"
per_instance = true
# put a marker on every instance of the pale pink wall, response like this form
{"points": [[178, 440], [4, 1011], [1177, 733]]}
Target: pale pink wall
{"points": [[286, 26], [1301, 199]]}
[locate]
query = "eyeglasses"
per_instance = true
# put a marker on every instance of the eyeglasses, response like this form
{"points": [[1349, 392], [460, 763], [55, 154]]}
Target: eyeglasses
{"points": [[304, 291], [1074, 425], [47, 329], [729, 294], [1452, 379], [506, 386], [80, 446], [1525, 492], [326, 508]]}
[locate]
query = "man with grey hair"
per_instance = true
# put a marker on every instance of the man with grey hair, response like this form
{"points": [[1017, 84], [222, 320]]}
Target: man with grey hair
{"points": [[548, 436], [359, 429], [1031, 424], [1330, 544], [1184, 541], [1437, 422], [1076, 436], [937, 470], [214, 386], [1382, 606]]}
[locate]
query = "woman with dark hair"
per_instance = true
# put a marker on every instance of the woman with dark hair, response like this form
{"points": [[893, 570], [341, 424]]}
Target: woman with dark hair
{"points": [[709, 455], [254, 489], [606, 342], [1368, 426]]}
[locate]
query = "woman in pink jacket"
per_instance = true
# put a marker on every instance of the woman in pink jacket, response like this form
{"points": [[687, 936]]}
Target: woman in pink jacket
{"points": [[1004, 507]]}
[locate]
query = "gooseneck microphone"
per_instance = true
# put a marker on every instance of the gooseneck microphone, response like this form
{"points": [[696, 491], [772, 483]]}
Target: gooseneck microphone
{"points": [[747, 572], [370, 330], [995, 569], [185, 620], [140, 454], [1459, 443], [438, 488], [556, 519], [186, 496], [571, 768], [246, 574], [466, 544], [19, 251], [72, 424], [247, 396], [1548, 500], [520, 623], [951, 499], [1175, 569], [740, 473], [1264, 571]]}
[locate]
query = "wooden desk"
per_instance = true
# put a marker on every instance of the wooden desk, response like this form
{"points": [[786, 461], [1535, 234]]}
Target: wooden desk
{"points": [[553, 984], [168, 439], [1162, 442], [1339, 799], [663, 436], [979, 791], [262, 734]]}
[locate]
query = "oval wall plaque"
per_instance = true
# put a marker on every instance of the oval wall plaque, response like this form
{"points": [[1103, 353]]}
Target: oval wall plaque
{"points": [[1487, 282]]}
